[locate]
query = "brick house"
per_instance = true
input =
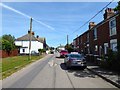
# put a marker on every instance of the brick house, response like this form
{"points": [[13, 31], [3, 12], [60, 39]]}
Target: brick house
{"points": [[101, 36]]}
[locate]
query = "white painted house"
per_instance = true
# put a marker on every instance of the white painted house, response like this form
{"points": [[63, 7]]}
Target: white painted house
{"points": [[23, 43]]}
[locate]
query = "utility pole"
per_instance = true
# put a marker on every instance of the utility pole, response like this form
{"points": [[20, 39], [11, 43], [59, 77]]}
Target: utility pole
{"points": [[67, 41], [30, 35]]}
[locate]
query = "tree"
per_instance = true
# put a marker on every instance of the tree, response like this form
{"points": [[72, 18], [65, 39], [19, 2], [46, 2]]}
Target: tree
{"points": [[117, 8], [9, 38], [7, 46], [7, 43], [69, 48]]}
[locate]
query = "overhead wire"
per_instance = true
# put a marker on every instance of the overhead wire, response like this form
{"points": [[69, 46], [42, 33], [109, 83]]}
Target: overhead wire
{"points": [[91, 18]]}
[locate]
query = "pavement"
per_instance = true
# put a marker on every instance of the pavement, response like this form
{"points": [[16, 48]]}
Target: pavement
{"points": [[110, 76]]}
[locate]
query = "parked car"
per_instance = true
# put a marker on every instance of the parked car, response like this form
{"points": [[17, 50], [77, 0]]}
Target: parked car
{"points": [[75, 60], [34, 53], [51, 52], [63, 53]]}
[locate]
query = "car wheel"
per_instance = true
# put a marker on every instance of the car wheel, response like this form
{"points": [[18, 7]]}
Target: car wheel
{"points": [[67, 66], [84, 67]]}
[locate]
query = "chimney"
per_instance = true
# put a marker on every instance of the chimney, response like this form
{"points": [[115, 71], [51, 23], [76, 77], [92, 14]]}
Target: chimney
{"points": [[28, 32], [108, 13], [32, 32], [91, 25]]}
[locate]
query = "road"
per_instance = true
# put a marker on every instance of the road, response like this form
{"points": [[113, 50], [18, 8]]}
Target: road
{"points": [[50, 72]]}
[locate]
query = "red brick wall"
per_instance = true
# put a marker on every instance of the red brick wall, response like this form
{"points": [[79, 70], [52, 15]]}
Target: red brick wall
{"points": [[118, 27], [103, 36], [91, 41], [4, 54]]}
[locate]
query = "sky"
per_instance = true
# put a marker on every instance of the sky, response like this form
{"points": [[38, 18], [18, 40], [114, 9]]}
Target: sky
{"points": [[56, 19]]}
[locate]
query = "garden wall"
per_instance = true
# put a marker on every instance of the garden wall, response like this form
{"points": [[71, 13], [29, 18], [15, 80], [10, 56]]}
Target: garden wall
{"points": [[4, 54]]}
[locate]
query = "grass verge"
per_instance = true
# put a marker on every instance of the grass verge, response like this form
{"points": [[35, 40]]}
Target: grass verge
{"points": [[12, 64]]}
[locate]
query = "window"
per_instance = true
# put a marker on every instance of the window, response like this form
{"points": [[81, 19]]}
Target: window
{"points": [[81, 39], [100, 50], [23, 50], [105, 48], [77, 41], [87, 37], [112, 26], [113, 44], [95, 34], [96, 48]]}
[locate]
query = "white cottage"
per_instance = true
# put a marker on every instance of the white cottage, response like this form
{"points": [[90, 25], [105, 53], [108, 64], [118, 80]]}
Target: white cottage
{"points": [[36, 43]]}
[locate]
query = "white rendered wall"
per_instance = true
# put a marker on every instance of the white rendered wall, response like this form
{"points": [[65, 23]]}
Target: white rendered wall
{"points": [[35, 45]]}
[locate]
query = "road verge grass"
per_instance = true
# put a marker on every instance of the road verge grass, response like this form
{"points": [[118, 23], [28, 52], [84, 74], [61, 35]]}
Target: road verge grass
{"points": [[13, 64]]}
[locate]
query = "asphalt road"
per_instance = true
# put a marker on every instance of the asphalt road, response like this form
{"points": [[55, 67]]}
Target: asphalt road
{"points": [[50, 72]]}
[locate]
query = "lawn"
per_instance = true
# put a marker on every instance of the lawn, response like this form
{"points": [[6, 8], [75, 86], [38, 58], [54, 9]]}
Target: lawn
{"points": [[13, 64]]}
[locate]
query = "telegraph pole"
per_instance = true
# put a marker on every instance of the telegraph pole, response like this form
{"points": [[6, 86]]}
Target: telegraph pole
{"points": [[30, 35], [67, 41]]}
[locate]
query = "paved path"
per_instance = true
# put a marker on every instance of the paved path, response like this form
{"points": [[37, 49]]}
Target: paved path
{"points": [[108, 75], [50, 72]]}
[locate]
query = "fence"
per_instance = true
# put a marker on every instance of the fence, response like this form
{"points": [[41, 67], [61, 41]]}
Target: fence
{"points": [[4, 54]]}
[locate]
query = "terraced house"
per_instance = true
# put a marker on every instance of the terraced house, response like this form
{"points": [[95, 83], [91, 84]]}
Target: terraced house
{"points": [[100, 37]]}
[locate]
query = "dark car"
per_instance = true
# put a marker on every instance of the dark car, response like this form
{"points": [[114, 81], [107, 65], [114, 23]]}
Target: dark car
{"points": [[76, 60], [51, 52], [63, 53]]}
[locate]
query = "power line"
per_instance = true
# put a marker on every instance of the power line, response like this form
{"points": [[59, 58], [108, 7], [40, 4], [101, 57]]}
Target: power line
{"points": [[92, 18]]}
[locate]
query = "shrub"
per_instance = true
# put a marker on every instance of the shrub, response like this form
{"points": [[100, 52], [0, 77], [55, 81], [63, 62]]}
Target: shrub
{"points": [[112, 62], [41, 51]]}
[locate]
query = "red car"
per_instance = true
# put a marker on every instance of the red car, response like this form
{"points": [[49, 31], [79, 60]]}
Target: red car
{"points": [[63, 53]]}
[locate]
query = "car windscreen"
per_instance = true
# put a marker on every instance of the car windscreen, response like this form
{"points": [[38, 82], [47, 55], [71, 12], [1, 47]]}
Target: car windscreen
{"points": [[78, 56], [64, 51]]}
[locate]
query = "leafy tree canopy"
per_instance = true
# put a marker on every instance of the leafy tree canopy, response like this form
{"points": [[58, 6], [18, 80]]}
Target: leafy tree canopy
{"points": [[117, 7], [69, 48], [7, 43], [9, 38]]}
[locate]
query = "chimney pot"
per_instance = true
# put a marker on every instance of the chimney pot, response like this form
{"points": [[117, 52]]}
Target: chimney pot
{"points": [[91, 25], [108, 13], [31, 33], [28, 31], [37, 36]]}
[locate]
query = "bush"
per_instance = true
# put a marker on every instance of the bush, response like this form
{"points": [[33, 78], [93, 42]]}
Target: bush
{"points": [[111, 63], [41, 51]]}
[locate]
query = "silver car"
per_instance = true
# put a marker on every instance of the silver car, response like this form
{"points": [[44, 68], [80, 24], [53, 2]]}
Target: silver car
{"points": [[75, 60]]}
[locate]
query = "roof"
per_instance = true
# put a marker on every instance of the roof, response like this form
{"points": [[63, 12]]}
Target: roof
{"points": [[26, 38], [61, 47], [41, 39], [104, 21]]}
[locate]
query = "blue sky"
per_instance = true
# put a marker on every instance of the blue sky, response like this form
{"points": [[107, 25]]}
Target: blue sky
{"points": [[64, 17]]}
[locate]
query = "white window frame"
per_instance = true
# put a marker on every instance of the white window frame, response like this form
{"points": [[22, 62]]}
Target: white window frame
{"points": [[112, 42], [96, 47], [112, 30], [95, 33], [105, 48]]}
